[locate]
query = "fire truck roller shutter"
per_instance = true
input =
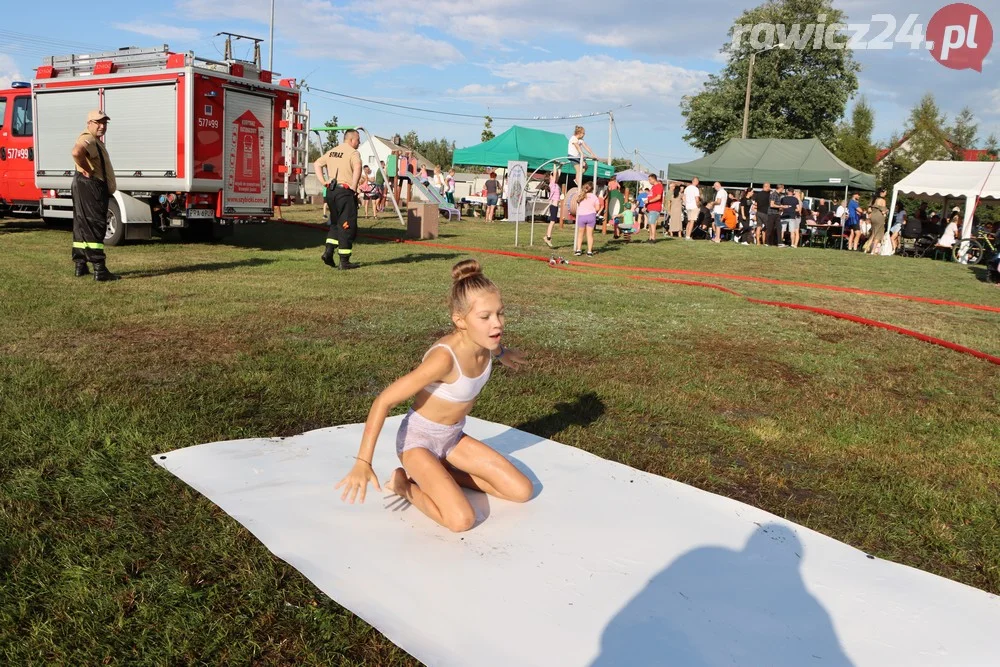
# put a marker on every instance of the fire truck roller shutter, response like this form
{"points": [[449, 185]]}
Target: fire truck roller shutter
{"points": [[248, 171], [60, 117], [142, 135]]}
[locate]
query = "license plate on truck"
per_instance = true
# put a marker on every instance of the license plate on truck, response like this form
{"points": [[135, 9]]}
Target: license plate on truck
{"points": [[200, 213]]}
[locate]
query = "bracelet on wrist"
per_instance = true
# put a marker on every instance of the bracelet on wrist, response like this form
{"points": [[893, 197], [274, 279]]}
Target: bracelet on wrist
{"points": [[502, 351], [363, 461]]}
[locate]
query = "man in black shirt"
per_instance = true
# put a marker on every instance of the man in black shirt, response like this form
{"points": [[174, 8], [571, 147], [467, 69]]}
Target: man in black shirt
{"points": [[773, 234], [763, 199], [790, 218]]}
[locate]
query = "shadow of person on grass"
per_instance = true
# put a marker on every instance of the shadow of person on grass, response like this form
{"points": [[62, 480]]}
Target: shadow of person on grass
{"points": [[195, 268], [716, 606], [13, 226], [413, 257], [583, 411]]}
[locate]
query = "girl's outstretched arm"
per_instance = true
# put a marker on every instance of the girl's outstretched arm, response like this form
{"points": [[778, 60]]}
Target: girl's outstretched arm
{"points": [[434, 368], [511, 358]]}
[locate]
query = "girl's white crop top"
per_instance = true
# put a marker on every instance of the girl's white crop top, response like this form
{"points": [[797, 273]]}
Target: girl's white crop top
{"points": [[463, 389]]}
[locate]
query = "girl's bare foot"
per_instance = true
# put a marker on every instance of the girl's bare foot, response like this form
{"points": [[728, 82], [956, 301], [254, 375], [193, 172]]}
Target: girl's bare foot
{"points": [[398, 483]]}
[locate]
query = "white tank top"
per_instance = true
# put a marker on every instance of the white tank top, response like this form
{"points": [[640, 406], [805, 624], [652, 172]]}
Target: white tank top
{"points": [[574, 149], [463, 389]]}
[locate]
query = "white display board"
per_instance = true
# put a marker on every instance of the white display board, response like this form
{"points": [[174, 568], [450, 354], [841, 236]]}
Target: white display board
{"points": [[607, 565], [517, 181]]}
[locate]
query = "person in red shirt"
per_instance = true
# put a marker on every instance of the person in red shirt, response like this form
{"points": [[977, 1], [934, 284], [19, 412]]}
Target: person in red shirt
{"points": [[654, 205]]}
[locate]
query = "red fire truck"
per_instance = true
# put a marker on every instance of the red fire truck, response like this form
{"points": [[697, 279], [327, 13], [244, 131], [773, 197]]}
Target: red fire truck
{"points": [[196, 144]]}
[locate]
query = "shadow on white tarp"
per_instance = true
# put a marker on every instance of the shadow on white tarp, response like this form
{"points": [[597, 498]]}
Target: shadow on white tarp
{"points": [[606, 566]]}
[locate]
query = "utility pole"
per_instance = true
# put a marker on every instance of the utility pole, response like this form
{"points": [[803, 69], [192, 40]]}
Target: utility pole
{"points": [[611, 126], [746, 102], [270, 46]]}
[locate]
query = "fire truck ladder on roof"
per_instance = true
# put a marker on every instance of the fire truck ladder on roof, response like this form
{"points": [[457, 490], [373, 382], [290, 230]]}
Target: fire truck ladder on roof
{"points": [[129, 59], [295, 136]]}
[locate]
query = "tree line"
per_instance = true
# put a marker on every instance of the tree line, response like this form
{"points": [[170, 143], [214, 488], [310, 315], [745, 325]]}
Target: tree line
{"points": [[804, 92]]}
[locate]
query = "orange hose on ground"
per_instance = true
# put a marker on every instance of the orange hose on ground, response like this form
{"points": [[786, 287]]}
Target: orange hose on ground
{"points": [[606, 269]]}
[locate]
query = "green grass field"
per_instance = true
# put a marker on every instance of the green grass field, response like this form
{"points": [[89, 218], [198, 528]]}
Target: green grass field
{"points": [[887, 443]]}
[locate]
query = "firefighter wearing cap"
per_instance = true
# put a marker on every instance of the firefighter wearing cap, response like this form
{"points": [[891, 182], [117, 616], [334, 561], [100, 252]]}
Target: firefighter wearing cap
{"points": [[339, 170], [93, 185]]}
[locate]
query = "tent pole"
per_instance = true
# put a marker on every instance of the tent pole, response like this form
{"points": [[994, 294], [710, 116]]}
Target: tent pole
{"points": [[557, 162], [843, 225], [892, 213]]}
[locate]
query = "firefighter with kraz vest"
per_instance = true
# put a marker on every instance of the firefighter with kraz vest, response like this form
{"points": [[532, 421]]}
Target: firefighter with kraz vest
{"points": [[342, 165], [93, 185]]}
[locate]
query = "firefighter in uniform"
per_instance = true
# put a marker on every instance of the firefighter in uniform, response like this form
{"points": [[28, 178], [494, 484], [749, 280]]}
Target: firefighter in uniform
{"points": [[342, 165], [93, 185]]}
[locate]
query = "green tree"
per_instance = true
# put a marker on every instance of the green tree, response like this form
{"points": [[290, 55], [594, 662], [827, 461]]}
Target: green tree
{"points": [[853, 143], [332, 136], [796, 92], [437, 151], [315, 151], [964, 133], [991, 148], [487, 129], [411, 140], [927, 137], [621, 164], [895, 166]]}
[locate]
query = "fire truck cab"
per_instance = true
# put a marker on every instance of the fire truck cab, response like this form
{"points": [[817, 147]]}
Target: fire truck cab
{"points": [[17, 153], [196, 144]]}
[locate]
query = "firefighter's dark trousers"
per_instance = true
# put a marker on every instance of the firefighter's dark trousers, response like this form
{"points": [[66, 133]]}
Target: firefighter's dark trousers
{"points": [[343, 219], [90, 218]]}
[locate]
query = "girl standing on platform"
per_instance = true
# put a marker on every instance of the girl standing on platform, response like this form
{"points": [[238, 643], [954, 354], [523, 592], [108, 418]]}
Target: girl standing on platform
{"points": [[438, 458]]}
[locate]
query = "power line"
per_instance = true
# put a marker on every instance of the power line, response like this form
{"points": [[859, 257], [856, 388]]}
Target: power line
{"points": [[454, 113], [620, 142], [312, 91], [39, 40]]}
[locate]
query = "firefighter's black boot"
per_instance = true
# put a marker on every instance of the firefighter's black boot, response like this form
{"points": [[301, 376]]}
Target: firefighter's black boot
{"points": [[328, 255], [81, 270], [101, 273], [346, 263]]}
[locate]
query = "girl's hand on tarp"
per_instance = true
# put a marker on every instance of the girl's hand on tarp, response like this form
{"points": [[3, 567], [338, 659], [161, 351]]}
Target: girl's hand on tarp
{"points": [[356, 482]]}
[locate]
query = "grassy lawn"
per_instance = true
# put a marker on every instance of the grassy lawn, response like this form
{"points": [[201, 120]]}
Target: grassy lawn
{"points": [[876, 439]]}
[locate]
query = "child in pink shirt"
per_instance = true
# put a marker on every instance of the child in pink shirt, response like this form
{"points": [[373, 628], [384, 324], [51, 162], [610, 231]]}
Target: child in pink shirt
{"points": [[587, 205]]}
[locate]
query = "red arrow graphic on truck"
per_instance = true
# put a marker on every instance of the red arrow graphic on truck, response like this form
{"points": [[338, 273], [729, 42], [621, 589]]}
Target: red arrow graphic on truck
{"points": [[246, 171]]}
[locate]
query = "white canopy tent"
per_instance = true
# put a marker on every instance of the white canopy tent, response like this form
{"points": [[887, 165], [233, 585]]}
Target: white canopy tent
{"points": [[938, 178]]}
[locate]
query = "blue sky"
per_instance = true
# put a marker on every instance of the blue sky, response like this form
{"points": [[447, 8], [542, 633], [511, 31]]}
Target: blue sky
{"points": [[517, 58]]}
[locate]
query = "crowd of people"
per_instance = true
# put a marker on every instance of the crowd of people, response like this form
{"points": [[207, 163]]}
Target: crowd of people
{"points": [[776, 216]]}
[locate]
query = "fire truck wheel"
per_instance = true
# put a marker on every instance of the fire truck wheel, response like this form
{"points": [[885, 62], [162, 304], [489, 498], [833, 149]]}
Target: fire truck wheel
{"points": [[116, 228]]}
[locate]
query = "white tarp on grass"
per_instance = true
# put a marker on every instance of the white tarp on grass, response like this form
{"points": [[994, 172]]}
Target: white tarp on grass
{"points": [[606, 566]]}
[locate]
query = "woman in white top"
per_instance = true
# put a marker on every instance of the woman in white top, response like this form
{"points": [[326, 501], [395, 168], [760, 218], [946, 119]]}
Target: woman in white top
{"points": [[950, 235], [576, 149]]}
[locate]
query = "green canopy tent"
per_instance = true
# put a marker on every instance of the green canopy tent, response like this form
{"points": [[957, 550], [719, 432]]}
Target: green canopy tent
{"points": [[793, 162], [536, 147]]}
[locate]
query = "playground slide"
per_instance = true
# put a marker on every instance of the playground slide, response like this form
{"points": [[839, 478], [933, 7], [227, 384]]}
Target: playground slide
{"points": [[435, 197]]}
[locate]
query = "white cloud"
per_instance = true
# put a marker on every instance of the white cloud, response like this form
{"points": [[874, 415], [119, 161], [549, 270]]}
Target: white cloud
{"points": [[8, 71], [993, 108], [475, 90], [593, 79], [320, 30], [161, 31]]}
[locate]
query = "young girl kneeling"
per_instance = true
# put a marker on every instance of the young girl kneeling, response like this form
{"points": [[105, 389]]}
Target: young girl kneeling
{"points": [[438, 458]]}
